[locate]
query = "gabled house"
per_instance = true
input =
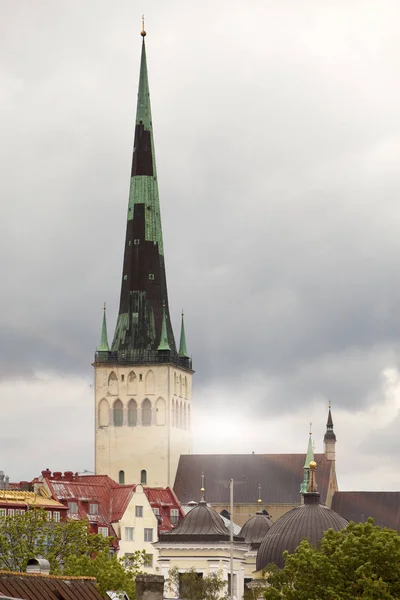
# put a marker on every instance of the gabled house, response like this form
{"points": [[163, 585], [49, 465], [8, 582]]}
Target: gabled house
{"points": [[15, 502], [133, 515]]}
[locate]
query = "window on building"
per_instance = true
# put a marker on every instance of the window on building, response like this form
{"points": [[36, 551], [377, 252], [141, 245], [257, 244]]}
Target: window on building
{"points": [[147, 560], [129, 534], [146, 412], [143, 476], [19, 511], [129, 560], [118, 413], [49, 515], [93, 509], [103, 531], [148, 535], [73, 508], [121, 477], [132, 413], [11, 512], [156, 511], [138, 511], [234, 584], [174, 514], [56, 516], [3, 512]]}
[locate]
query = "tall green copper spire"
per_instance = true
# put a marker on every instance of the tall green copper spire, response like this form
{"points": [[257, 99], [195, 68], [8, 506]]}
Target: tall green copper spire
{"points": [[104, 347], [144, 285], [164, 345], [182, 343], [306, 468]]}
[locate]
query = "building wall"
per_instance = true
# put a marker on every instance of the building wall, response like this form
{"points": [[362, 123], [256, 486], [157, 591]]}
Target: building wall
{"points": [[242, 512], [206, 558], [148, 521], [156, 447]]}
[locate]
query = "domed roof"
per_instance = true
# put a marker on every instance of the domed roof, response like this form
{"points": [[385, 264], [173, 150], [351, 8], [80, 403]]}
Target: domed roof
{"points": [[255, 529], [309, 521], [200, 522]]}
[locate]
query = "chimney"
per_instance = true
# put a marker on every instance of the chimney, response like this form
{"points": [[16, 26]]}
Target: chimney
{"points": [[38, 565], [57, 475], [68, 475], [46, 473]]}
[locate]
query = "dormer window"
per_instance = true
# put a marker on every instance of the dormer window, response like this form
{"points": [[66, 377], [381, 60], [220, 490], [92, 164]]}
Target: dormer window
{"points": [[93, 509], [174, 514], [73, 508]]}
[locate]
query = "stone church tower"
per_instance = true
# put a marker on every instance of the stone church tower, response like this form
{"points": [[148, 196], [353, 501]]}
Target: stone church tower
{"points": [[143, 383]]}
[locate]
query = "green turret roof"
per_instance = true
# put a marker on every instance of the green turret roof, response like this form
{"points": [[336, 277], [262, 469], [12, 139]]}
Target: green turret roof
{"points": [[182, 344], [164, 345], [104, 347], [306, 468]]}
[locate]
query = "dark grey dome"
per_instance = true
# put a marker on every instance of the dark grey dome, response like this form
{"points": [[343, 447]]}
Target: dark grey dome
{"points": [[254, 530], [309, 521], [201, 522]]}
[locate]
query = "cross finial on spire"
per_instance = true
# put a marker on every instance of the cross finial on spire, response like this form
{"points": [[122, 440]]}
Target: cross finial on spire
{"points": [[259, 494], [202, 489], [143, 33], [310, 428], [104, 307]]}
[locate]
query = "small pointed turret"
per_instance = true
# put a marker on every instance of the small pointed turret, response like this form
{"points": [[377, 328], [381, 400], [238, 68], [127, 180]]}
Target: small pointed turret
{"points": [[308, 460], [203, 490], [329, 437], [182, 344], [164, 345], [104, 347]]}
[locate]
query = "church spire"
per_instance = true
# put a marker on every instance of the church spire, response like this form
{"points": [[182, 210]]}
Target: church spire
{"points": [[306, 469], [104, 347], [329, 437], [182, 342], [144, 286]]}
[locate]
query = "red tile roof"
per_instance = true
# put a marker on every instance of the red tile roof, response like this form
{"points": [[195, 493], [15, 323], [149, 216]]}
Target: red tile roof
{"points": [[112, 499], [164, 499]]}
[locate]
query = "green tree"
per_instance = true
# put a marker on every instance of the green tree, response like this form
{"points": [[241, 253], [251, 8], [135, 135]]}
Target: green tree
{"points": [[192, 586], [361, 561], [69, 547]]}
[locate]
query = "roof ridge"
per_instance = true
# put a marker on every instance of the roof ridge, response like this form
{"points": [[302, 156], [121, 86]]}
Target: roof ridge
{"points": [[64, 577]]}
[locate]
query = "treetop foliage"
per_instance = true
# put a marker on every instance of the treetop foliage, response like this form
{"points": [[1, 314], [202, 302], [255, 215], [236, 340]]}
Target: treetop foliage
{"points": [[361, 561]]}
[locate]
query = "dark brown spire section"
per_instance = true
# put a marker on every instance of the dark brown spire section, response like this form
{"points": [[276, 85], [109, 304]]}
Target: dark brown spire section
{"points": [[329, 434]]}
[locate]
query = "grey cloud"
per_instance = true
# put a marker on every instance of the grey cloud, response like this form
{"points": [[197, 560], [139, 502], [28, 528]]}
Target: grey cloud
{"points": [[277, 157]]}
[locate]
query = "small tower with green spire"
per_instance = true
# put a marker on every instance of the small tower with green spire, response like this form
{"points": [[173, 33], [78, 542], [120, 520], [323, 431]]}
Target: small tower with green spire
{"points": [[143, 382], [104, 347], [306, 468], [182, 343]]}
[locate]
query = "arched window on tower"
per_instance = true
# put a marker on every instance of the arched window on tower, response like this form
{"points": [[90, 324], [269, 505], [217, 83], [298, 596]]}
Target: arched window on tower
{"points": [[104, 413], [121, 477], [184, 387], [143, 477], [179, 415], [184, 417], [132, 383], [146, 412], [173, 413], [149, 384], [160, 411], [132, 413], [175, 383], [118, 413], [180, 385], [113, 384]]}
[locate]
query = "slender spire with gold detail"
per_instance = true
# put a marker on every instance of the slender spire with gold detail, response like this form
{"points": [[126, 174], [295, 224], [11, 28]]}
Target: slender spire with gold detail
{"points": [[309, 458], [144, 324]]}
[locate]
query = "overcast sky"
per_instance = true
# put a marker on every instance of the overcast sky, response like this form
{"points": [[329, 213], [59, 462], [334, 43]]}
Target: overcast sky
{"points": [[277, 132]]}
